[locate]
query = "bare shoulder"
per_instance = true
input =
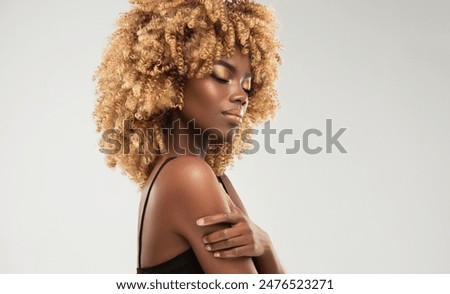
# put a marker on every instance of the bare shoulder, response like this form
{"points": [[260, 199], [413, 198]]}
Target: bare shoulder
{"points": [[189, 190], [186, 172], [186, 168], [189, 180]]}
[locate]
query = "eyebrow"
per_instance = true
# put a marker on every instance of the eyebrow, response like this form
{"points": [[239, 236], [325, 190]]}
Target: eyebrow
{"points": [[231, 67]]}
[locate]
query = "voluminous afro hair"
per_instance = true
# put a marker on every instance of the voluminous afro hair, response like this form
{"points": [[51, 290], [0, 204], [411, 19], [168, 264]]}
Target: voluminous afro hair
{"points": [[156, 47]]}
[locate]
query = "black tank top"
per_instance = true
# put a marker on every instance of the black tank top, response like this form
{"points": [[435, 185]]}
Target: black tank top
{"points": [[183, 263]]}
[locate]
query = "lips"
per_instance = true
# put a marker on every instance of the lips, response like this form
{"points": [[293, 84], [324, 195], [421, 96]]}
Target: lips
{"points": [[236, 112], [234, 116]]}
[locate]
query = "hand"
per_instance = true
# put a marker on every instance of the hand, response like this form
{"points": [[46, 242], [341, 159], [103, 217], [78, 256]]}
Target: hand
{"points": [[243, 238]]}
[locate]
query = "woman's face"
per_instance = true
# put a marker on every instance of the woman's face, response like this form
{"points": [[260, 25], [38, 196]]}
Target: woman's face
{"points": [[218, 101]]}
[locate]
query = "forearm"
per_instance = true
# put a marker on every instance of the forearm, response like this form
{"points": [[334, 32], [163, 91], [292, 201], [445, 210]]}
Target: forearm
{"points": [[268, 263]]}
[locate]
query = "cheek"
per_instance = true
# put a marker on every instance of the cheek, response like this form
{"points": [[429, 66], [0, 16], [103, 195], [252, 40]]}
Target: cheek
{"points": [[203, 95], [208, 93], [201, 102]]}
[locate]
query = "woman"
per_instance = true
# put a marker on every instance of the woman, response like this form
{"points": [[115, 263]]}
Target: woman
{"points": [[179, 83]]}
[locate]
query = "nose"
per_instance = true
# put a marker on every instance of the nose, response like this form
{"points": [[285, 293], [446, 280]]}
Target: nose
{"points": [[240, 96]]}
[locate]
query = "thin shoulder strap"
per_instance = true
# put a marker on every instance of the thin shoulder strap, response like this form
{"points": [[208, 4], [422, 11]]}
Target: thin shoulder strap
{"points": [[223, 184], [141, 223]]}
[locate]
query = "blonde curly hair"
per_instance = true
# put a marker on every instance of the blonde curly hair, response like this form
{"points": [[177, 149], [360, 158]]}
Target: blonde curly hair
{"points": [[157, 46]]}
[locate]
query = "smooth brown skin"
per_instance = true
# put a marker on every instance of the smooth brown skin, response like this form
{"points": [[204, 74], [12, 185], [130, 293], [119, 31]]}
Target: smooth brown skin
{"points": [[243, 238], [187, 188]]}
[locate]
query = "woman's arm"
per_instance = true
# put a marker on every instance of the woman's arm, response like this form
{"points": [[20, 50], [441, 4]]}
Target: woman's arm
{"points": [[244, 238], [191, 190]]}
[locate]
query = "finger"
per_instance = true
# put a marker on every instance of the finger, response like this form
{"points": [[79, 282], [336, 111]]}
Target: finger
{"points": [[222, 235], [234, 252], [228, 243], [228, 217]]}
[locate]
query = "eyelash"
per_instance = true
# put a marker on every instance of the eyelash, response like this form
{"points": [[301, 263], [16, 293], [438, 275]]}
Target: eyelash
{"points": [[222, 81], [219, 79]]}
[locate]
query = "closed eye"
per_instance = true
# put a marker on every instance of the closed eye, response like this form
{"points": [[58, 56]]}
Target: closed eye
{"points": [[220, 80]]}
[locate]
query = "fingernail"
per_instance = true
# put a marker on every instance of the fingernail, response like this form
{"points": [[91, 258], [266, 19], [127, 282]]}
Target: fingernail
{"points": [[200, 222], [216, 254], [208, 247], [204, 240]]}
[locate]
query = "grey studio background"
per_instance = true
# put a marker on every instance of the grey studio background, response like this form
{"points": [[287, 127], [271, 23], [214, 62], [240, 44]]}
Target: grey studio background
{"points": [[380, 69]]}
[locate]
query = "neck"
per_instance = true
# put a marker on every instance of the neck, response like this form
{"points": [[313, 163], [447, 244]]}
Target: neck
{"points": [[184, 138]]}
